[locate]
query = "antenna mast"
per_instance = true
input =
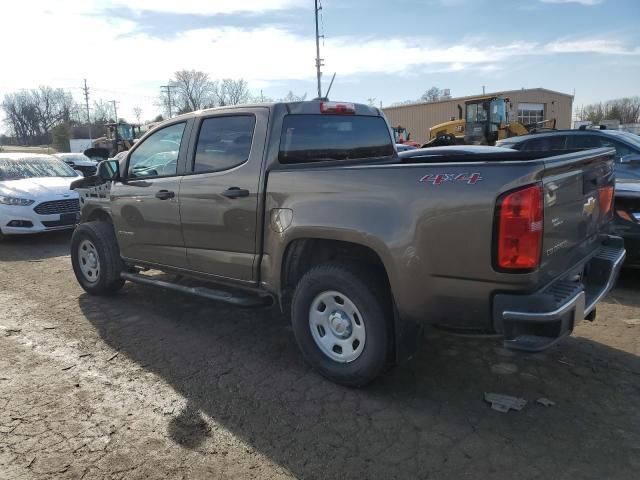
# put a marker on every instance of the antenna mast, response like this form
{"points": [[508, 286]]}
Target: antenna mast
{"points": [[318, 59]]}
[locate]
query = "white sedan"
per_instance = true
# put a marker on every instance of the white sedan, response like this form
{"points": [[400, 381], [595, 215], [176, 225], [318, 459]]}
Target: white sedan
{"points": [[35, 194]]}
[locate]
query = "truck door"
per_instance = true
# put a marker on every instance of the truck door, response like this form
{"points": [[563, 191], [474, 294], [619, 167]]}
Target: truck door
{"points": [[219, 194], [144, 205]]}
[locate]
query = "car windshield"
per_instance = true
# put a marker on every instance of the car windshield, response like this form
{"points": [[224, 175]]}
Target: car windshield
{"points": [[18, 169]]}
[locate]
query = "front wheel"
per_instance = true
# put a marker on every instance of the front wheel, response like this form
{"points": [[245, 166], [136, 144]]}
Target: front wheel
{"points": [[340, 320], [95, 258]]}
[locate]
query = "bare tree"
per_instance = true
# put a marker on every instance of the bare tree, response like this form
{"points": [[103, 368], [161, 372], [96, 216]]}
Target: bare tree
{"points": [[625, 110], [431, 95], [53, 106], [137, 111], [293, 97], [102, 112], [31, 114], [232, 92], [194, 90]]}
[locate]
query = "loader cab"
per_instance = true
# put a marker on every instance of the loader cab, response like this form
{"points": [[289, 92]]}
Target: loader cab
{"points": [[484, 118]]}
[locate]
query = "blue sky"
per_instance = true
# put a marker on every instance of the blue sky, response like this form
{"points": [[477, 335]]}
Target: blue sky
{"points": [[390, 51]]}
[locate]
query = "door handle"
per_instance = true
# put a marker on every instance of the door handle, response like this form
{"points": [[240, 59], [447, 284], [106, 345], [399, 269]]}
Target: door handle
{"points": [[235, 192], [165, 194]]}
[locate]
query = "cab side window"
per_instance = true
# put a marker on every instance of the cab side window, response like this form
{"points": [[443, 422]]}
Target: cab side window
{"points": [[157, 155], [545, 143], [583, 142], [223, 143]]}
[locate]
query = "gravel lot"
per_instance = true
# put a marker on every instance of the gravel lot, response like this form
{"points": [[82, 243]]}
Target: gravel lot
{"points": [[150, 384]]}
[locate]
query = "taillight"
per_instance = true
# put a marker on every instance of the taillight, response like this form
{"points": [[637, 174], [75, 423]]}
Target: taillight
{"points": [[605, 195], [339, 108], [520, 228]]}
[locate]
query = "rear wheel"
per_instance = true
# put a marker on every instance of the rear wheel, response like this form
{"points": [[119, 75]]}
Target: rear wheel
{"points": [[340, 319], [96, 258]]}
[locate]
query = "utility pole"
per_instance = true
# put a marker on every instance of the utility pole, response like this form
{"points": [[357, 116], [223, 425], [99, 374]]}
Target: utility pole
{"points": [[115, 109], [115, 135], [318, 59], [483, 89], [169, 87], [86, 100]]}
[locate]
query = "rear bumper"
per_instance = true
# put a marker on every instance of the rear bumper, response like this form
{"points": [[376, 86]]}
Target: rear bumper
{"points": [[536, 321]]}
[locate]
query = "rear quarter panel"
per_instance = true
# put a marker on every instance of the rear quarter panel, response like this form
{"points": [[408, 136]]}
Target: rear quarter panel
{"points": [[434, 239]]}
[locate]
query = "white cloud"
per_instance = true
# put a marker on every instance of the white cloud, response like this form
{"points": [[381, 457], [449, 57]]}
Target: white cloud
{"points": [[210, 7], [602, 46], [70, 42], [581, 2]]}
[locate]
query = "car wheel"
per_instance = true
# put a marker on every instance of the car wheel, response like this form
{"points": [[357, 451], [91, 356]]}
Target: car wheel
{"points": [[340, 318], [96, 258]]}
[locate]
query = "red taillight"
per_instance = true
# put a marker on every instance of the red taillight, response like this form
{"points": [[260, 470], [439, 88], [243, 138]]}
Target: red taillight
{"points": [[605, 195], [520, 229], [339, 108]]}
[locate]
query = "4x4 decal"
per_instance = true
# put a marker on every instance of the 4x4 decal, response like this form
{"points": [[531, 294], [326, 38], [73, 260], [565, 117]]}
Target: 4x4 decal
{"points": [[440, 178]]}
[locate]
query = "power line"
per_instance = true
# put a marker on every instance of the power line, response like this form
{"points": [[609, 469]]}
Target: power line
{"points": [[168, 87], [86, 100]]}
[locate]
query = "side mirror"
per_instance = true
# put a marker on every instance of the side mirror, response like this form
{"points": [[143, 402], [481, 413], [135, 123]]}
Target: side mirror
{"points": [[631, 158], [109, 170]]}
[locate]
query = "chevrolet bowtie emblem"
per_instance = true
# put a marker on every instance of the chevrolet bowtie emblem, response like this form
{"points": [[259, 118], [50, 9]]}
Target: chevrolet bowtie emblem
{"points": [[589, 206]]}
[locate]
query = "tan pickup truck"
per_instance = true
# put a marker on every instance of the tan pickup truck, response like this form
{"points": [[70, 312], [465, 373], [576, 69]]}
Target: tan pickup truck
{"points": [[309, 206]]}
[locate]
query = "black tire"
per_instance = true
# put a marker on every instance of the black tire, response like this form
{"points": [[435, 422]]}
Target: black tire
{"points": [[367, 291], [102, 236]]}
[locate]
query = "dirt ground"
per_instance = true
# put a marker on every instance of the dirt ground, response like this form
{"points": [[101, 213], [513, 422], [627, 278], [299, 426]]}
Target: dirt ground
{"points": [[150, 384]]}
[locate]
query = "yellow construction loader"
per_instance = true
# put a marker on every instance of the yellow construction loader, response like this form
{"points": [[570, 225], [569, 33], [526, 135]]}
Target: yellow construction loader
{"points": [[485, 121]]}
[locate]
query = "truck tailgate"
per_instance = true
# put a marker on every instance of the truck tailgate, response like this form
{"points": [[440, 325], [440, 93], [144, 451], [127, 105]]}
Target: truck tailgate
{"points": [[578, 196]]}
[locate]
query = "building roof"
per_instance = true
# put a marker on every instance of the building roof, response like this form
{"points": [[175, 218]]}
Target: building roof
{"points": [[469, 97]]}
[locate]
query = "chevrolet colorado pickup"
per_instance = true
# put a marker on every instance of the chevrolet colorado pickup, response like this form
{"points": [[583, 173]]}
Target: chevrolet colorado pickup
{"points": [[309, 206]]}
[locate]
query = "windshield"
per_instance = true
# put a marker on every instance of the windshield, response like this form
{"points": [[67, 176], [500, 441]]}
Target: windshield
{"points": [[476, 112], [11, 169], [498, 111], [74, 158]]}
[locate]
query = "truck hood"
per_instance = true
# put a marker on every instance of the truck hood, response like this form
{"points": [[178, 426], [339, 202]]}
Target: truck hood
{"points": [[35, 187]]}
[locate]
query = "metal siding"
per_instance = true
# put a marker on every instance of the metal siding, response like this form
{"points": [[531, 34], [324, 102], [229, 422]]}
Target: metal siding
{"points": [[418, 118]]}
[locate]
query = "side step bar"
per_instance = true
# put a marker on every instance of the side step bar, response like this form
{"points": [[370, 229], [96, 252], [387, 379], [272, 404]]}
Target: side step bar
{"points": [[239, 299]]}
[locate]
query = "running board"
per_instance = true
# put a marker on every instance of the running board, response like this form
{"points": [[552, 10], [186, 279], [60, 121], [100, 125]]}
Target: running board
{"points": [[239, 299]]}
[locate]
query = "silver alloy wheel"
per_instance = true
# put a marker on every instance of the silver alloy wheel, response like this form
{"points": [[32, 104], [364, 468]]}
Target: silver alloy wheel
{"points": [[337, 326], [89, 261]]}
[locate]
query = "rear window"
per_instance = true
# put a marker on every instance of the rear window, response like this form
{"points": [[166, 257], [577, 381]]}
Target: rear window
{"points": [[316, 138]]}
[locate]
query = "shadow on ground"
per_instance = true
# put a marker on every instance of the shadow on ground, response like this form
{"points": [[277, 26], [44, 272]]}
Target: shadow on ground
{"points": [[18, 248], [426, 419]]}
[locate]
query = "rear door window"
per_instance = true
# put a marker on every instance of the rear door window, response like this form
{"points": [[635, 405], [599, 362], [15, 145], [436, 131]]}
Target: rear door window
{"points": [[316, 138], [223, 143]]}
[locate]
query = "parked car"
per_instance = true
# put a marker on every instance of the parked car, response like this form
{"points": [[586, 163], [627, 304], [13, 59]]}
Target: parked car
{"points": [[307, 205], [35, 194], [627, 160], [80, 162], [627, 208], [627, 146]]}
